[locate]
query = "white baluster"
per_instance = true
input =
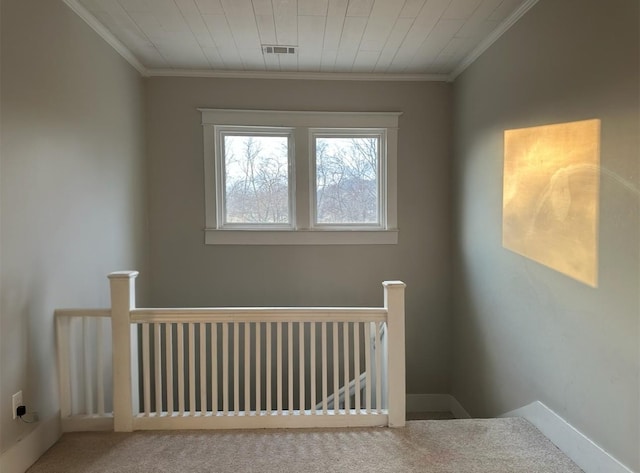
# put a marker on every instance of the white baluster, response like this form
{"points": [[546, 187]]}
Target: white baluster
{"points": [[192, 369], [269, 406], [324, 368], [377, 350], [312, 366], [345, 354], [301, 361], [367, 366], [247, 368], [180, 348], [157, 339], [290, 366], [63, 327], [168, 343], [87, 368], [100, 364], [258, 368], [356, 365], [203, 368], [225, 368], [279, 367], [336, 369], [214, 368], [236, 370], [146, 369]]}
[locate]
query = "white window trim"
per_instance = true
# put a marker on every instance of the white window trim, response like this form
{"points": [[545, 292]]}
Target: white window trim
{"points": [[303, 232]]}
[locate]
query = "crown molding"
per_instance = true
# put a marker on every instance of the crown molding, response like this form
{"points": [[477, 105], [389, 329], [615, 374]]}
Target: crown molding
{"points": [[296, 75], [492, 38], [105, 34]]}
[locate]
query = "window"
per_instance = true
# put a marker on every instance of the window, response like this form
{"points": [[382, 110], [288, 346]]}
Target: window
{"points": [[347, 184], [276, 177], [253, 177]]}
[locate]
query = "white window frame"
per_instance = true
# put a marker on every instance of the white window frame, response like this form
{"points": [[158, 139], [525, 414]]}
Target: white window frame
{"points": [[380, 134], [302, 178]]}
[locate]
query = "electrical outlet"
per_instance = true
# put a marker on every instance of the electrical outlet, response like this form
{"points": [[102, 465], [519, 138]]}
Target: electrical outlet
{"points": [[16, 400]]}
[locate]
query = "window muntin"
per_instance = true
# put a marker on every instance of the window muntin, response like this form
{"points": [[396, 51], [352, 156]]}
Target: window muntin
{"points": [[349, 172], [254, 177]]}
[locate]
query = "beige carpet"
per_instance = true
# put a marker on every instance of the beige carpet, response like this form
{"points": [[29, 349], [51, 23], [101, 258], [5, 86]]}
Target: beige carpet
{"points": [[437, 446]]}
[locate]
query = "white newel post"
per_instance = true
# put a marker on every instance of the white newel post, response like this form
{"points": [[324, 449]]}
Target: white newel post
{"points": [[125, 350], [394, 303]]}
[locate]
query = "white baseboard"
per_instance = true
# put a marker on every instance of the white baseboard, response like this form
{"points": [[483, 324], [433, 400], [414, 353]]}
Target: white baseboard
{"points": [[436, 403], [582, 450], [23, 454], [87, 424]]}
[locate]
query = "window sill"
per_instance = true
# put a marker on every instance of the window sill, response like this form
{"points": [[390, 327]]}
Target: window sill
{"points": [[300, 237]]}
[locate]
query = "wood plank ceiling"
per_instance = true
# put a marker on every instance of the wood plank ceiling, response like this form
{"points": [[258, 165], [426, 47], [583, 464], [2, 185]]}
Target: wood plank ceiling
{"points": [[343, 36]]}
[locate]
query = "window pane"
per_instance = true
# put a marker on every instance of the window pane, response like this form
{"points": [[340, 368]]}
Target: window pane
{"points": [[256, 171], [347, 180]]}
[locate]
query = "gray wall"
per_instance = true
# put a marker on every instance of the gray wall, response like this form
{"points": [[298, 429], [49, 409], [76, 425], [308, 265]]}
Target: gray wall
{"points": [[523, 332], [72, 180], [185, 271]]}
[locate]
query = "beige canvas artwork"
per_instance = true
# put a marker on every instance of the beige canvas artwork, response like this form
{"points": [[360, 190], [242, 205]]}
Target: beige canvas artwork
{"points": [[550, 196]]}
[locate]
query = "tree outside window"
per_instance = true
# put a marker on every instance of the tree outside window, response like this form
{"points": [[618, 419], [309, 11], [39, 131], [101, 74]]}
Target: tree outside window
{"points": [[347, 180]]}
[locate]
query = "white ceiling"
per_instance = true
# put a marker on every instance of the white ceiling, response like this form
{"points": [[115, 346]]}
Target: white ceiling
{"points": [[381, 37]]}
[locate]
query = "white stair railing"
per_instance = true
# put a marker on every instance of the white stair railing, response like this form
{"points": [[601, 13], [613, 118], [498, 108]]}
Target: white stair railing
{"points": [[245, 367]]}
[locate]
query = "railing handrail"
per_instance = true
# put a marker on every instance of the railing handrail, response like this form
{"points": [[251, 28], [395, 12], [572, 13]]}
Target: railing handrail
{"points": [[100, 312], [260, 314], [238, 314]]}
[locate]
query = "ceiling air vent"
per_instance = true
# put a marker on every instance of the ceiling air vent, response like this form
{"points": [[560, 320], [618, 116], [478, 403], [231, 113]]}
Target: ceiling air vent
{"points": [[278, 49]]}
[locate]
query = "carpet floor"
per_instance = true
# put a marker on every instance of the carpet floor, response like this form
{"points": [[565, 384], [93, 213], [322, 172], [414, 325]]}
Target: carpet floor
{"points": [[435, 446]]}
